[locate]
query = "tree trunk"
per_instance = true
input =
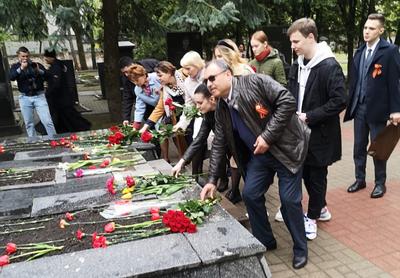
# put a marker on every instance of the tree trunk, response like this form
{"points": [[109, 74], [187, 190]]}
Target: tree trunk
{"points": [[71, 45], [397, 39], [77, 27], [111, 71], [93, 50]]}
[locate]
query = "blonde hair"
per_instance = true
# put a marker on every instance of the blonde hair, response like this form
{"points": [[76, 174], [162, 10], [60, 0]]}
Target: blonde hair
{"points": [[136, 71], [192, 58], [230, 55]]}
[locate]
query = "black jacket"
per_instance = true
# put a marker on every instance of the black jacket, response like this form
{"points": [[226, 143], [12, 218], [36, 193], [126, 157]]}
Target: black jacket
{"points": [[325, 97], [128, 98], [383, 91], [58, 91], [207, 125], [281, 129], [30, 81]]}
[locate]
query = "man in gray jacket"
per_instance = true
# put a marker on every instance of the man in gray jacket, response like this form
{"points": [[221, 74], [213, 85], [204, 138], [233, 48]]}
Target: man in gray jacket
{"points": [[255, 119]]}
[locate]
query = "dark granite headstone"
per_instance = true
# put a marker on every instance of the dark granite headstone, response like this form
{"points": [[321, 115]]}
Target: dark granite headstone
{"points": [[179, 43], [8, 126]]}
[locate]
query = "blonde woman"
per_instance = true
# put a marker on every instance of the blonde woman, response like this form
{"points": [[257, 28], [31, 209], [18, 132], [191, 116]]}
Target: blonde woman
{"points": [[172, 90], [228, 51], [193, 65]]}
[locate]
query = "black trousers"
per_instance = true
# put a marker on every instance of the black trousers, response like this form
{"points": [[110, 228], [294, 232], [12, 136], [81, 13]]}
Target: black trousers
{"points": [[315, 181], [363, 129]]}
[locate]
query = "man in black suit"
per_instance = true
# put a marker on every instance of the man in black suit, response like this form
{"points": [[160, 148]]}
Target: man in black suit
{"points": [[317, 82], [374, 98]]}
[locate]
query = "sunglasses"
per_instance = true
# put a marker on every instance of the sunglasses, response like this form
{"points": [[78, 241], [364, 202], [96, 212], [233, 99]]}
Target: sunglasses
{"points": [[211, 78]]}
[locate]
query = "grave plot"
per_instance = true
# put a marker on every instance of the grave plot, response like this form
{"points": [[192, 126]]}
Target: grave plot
{"points": [[30, 177], [200, 240]]}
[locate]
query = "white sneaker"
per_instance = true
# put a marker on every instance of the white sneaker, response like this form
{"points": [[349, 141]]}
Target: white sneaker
{"points": [[278, 216], [310, 227], [325, 214]]}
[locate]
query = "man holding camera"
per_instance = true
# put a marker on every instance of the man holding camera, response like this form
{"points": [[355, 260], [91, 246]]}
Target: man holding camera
{"points": [[30, 78]]}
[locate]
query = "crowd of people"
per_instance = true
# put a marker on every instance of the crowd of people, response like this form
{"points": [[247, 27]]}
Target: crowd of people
{"points": [[54, 105], [261, 122]]}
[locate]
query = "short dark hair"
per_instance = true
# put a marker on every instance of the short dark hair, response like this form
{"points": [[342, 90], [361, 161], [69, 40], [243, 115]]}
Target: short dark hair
{"points": [[22, 49], [125, 61], [202, 89], [305, 26], [379, 17]]}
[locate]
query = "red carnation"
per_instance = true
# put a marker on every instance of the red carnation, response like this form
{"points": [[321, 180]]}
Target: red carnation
{"points": [[53, 144], [146, 136], [168, 101], [4, 260], [155, 216], [73, 137], [178, 222], [191, 228], [63, 141], [69, 216], [92, 167], [172, 107], [154, 210], [110, 227], [11, 248], [80, 234], [98, 241], [130, 181], [110, 186], [114, 129]]}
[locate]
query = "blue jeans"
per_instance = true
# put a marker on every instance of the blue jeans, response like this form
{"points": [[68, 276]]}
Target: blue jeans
{"points": [[30, 103], [259, 176]]}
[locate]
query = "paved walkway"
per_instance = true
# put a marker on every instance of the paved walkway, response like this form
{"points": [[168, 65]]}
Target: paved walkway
{"points": [[361, 240]]}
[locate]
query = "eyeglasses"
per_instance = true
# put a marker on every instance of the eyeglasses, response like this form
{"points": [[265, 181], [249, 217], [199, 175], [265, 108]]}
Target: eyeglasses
{"points": [[211, 78]]}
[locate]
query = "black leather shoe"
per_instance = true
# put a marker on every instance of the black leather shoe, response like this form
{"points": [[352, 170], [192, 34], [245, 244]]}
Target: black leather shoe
{"points": [[299, 262], [233, 197], [271, 246], [357, 185], [223, 185], [379, 191]]}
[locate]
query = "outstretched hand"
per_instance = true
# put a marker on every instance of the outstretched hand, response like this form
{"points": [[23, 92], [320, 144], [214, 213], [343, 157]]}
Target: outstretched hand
{"points": [[176, 170], [208, 191]]}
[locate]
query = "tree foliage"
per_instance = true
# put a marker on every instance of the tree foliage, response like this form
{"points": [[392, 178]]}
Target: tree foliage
{"points": [[23, 19]]}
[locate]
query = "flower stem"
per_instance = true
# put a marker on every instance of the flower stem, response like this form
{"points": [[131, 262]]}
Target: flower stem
{"points": [[22, 230], [28, 222]]}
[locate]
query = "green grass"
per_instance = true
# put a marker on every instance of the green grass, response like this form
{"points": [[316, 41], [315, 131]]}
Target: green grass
{"points": [[342, 59]]}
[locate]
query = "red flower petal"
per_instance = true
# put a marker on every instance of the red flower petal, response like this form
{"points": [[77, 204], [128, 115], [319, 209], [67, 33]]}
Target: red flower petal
{"points": [[80, 234], [110, 227], [154, 210], [4, 260], [155, 216], [69, 216], [11, 248]]}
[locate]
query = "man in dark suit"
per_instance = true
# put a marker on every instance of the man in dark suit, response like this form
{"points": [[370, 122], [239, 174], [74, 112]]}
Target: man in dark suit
{"points": [[317, 82], [374, 98]]}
